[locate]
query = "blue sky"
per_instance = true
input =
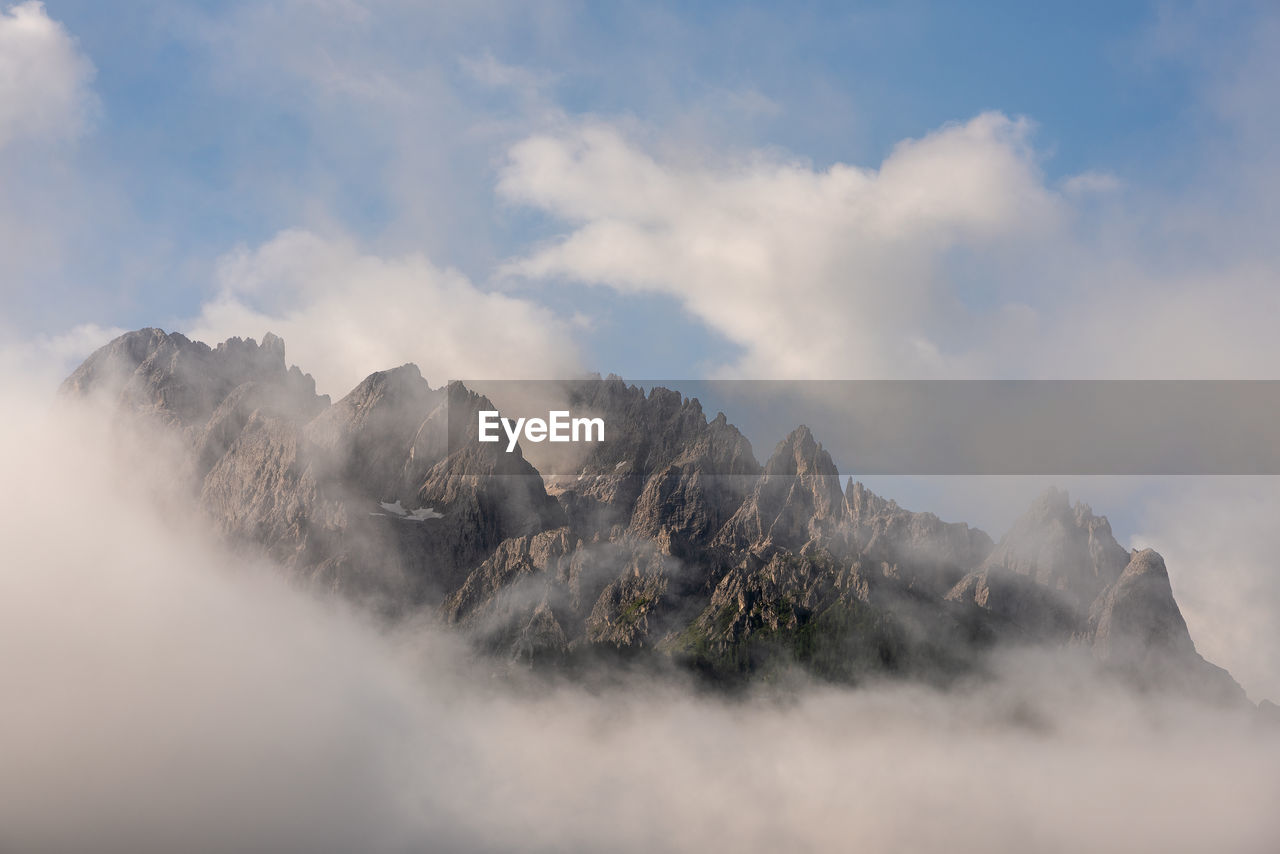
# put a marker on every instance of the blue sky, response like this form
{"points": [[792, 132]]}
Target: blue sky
{"points": [[212, 130], [315, 166]]}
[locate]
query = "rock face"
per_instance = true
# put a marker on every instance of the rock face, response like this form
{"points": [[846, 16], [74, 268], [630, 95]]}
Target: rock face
{"points": [[1137, 616], [669, 543], [796, 501], [1046, 572], [666, 473], [183, 382], [1135, 624], [368, 434], [1063, 547], [937, 553], [360, 496]]}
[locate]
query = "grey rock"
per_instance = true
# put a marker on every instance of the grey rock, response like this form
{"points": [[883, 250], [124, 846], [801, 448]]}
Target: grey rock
{"points": [[666, 470], [1062, 547], [1138, 628], [182, 382], [670, 540], [937, 554], [796, 501], [366, 437], [1018, 602]]}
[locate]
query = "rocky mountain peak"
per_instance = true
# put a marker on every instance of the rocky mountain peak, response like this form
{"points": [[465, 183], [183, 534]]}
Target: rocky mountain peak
{"points": [[801, 455], [797, 499], [399, 387], [864, 503], [1138, 628], [670, 538], [1053, 502], [666, 471], [932, 553], [272, 343], [366, 436], [651, 430], [1138, 612], [183, 382], [1062, 547], [1146, 562]]}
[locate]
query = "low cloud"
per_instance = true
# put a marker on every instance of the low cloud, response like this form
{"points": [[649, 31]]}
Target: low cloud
{"points": [[43, 361], [165, 693]]}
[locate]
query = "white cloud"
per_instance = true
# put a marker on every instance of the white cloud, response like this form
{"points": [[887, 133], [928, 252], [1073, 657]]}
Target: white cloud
{"points": [[955, 258], [54, 213], [166, 693], [43, 361], [344, 314], [836, 272], [44, 78], [68, 348]]}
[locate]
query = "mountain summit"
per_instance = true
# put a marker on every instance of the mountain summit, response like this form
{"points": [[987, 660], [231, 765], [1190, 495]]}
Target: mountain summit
{"points": [[671, 543]]}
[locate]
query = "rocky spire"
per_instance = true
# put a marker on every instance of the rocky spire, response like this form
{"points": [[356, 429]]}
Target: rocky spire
{"points": [[1063, 547], [797, 500], [366, 436], [1137, 614], [183, 382], [1138, 628]]}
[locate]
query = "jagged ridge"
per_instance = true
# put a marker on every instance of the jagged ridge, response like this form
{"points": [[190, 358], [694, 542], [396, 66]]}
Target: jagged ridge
{"points": [[672, 541]]}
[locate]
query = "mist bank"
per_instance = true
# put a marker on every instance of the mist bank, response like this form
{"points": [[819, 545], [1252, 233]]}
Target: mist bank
{"points": [[169, 693]]}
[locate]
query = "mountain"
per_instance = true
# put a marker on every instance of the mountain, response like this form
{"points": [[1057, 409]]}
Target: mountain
{"points": [[668, 543]]}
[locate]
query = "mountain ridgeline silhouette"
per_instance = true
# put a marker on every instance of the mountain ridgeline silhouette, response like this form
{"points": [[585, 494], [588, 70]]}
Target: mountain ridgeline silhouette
{"points": [[671, 545]]}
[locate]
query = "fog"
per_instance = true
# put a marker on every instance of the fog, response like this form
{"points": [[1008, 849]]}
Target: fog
{"points": [[164, 694]]}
